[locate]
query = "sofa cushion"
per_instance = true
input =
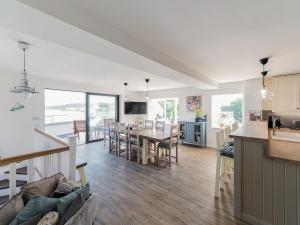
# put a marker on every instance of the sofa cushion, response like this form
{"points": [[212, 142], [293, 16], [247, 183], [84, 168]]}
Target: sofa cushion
{"points": [[64, 187], [74, 206], [10, 209], [86, 214], [64, 202], [38, 205], [43, 187], [50, 218], [33, 221]]}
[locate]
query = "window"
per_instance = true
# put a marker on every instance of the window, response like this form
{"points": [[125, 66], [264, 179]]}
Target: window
{"points": [[163, 109], [226, 109]]}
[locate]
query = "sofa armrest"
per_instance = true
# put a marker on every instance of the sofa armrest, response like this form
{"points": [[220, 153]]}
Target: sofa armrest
{"points": [[87, 213]]}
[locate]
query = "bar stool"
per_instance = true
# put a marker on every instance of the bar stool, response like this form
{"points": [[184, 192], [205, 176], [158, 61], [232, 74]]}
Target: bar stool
{"points": [[225, 163]]}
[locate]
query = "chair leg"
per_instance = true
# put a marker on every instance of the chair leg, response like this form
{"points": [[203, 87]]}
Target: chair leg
{"points": [[223, 172], [177, 153], [169, 157], [157, 157], [217, 181]]}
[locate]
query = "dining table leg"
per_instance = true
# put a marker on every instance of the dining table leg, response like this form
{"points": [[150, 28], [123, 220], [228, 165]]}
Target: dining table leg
{"points": [[145, 151]]}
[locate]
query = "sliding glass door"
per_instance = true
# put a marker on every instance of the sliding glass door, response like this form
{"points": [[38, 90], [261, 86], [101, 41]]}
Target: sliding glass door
{"points": [[100, 107], [68, 113]]}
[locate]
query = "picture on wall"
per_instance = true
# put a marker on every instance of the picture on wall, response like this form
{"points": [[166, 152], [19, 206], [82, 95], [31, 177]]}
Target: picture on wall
{"points": [[194, 102]]}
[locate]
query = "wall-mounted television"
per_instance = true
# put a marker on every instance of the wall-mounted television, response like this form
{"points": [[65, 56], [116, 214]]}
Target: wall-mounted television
{"points": [[135, 107]]}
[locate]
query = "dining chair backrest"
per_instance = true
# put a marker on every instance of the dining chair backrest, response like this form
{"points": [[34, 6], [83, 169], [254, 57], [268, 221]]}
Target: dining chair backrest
{"points": [[122, 128], [112, 129], [227, 132], [106, 122], [160, 125], [235, 126], [148, 124], [133, 130], [174, 134], [220, 138]]}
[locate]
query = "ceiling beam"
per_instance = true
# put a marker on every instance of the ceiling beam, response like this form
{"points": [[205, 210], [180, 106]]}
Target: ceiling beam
{"points": [[67, 26]]}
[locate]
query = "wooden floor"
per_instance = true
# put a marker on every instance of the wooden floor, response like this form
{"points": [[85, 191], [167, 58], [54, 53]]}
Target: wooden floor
{"points": [[134, 194]]}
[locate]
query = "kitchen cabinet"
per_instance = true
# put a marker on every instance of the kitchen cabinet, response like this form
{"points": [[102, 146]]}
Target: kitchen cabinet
{"points": [[286, 90]]}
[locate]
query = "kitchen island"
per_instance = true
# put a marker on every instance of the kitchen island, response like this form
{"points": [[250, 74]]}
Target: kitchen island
{"points": [[266, 188]]}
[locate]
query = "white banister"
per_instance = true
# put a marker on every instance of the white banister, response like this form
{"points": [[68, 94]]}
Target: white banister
{"points": [[30, 170], [12, 179], [72, 157]]}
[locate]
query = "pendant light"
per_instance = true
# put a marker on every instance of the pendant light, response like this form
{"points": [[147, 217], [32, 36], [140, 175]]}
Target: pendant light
{"points": [[24, 90], [125, 91], [264, 92], [147, 93]]}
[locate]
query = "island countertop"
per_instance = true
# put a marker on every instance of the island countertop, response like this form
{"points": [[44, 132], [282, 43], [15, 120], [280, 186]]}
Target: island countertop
{"points": [[252, 130]]}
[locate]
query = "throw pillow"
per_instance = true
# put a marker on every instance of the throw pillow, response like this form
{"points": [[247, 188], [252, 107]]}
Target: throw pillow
{"points": [[64, 187], [33, 221], [50, 219], [64, 202], [43, 187], [37, 205], [10, 209], [75, 205]]}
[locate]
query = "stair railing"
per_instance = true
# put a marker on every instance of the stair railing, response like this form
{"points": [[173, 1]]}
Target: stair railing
{"points": [[52, 155]]}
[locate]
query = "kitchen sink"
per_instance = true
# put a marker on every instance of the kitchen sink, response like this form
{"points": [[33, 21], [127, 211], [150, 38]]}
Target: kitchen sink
{"points": [[286, 136]]}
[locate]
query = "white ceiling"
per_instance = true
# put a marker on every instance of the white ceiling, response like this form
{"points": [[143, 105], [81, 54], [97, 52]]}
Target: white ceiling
{"points": [[221, 39], [52, 61]]}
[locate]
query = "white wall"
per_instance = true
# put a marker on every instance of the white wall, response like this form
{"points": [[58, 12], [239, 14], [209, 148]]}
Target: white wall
{"points": [[16, 135], [248, 88]]}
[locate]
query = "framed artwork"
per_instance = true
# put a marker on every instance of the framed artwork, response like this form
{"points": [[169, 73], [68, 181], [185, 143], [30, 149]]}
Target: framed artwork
{"points": [[194, 102]]}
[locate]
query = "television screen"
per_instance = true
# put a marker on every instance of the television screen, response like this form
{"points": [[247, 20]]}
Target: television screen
{"points": [[135, 107]]}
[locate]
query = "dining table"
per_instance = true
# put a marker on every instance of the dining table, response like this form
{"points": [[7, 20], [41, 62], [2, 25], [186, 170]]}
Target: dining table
{"points": [[152, 135]]}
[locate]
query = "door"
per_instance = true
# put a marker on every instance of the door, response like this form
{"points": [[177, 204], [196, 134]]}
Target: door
{"points": [[100, 107]]}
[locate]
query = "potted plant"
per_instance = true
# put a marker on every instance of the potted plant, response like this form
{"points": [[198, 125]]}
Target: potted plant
{"points": [[199, 116]]}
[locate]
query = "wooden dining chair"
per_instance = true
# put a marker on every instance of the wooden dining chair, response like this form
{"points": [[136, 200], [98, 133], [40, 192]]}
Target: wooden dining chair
{"points": [[134, 143], [106, 129], [79, 127], [113, 139], [225, 163], [122, 139], [160, 125], [168, 145], [148, 124]]}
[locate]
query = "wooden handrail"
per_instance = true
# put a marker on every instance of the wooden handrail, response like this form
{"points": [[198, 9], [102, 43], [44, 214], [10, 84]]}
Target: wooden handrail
{"points": [[32, 155], [52, 137]]}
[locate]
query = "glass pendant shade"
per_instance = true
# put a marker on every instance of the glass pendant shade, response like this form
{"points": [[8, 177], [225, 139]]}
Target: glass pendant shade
{"points": [[266, 94]]}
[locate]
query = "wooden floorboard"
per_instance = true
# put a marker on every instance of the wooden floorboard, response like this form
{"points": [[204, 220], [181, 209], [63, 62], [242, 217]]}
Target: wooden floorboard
{"points": [[134, 194]]}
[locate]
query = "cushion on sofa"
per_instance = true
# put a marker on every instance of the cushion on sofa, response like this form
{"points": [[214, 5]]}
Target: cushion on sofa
{"points": [[64, 187], [33, 220], [64, 202], [86, 214], [74, 206], [10, 209], [43, 187], [38, 205]]}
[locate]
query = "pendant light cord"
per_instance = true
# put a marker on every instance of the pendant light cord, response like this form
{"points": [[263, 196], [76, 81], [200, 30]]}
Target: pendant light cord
{"points": [[24, 61]]}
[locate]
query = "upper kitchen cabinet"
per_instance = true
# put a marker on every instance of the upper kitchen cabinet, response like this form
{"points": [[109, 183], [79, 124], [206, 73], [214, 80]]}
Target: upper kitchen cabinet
{"points": [[286, 91]]}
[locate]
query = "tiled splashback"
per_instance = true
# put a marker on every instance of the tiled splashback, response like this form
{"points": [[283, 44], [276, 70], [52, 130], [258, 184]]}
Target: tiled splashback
{"points": [[287, 118]]}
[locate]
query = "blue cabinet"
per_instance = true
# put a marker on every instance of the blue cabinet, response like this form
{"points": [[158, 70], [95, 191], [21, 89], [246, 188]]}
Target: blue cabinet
{"points": [[193, 133]]}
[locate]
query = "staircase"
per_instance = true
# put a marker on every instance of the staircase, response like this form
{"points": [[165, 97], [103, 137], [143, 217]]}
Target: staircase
{"points": [[4, 183]]}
